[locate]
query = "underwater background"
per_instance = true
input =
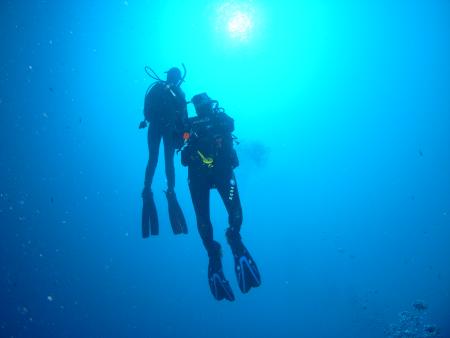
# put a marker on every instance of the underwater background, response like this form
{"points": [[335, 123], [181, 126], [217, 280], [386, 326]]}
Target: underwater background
{"points": [[342, 110]]}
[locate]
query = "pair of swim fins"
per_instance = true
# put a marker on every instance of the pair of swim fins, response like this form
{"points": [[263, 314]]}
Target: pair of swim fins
{"points": [[150, 223], [246, 270]]}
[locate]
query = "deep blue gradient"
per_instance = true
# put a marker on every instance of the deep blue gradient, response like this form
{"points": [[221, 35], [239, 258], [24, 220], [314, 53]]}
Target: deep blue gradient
{"points": [[342, 109]]}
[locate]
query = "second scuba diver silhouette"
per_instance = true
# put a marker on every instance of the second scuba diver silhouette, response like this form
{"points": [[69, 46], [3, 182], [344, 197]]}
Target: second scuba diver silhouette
{"points": [[165, 111], [210, 157]]}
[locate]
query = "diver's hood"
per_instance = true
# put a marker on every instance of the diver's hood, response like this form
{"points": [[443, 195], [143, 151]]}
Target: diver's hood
{"points": [[202, 103], [174, 75], [201, 99]]}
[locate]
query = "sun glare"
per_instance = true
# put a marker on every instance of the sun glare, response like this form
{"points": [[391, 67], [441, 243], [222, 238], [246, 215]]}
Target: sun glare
{"points": [[239, 25], [236, 20]]}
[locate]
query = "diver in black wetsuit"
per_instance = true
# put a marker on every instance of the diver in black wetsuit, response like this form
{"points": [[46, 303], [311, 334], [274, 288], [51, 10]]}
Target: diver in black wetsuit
{"points": [[165, 110], [211, 158]]}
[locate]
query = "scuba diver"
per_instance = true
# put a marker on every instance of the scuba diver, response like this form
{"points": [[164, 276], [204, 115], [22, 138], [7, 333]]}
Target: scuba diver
{"points": [[210, 157], [165, 111]]}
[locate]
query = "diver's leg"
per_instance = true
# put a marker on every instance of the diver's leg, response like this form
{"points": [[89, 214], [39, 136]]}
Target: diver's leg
{"points": [[169, 152], [227, 187], [154, 141], [199, 189], [245, 267], [176, 216], [220, 287], [150, 224]]}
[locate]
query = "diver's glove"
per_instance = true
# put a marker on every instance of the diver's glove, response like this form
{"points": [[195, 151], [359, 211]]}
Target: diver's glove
{"points": [[143, 124]]}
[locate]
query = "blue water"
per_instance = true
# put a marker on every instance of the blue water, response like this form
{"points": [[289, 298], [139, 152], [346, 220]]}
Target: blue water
{"points": [[342, 109]]}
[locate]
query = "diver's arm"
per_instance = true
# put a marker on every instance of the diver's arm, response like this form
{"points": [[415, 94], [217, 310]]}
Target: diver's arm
{"points": [[151, 98], [147, 107], [183, 110], [146, 112]]}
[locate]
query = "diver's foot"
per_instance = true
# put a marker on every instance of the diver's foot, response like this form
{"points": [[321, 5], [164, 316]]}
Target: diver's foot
{"points": [[176, 216], [150, 224], [245, 267], [220, 287]]}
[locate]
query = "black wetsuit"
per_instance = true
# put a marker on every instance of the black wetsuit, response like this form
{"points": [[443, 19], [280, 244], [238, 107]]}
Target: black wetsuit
{"points": [[165, 110], [210, 158]]}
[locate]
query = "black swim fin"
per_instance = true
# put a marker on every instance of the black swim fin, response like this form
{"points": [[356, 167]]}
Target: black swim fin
{"points": [[247, 272], [150, 224], [220, 287], [176, 216]]}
